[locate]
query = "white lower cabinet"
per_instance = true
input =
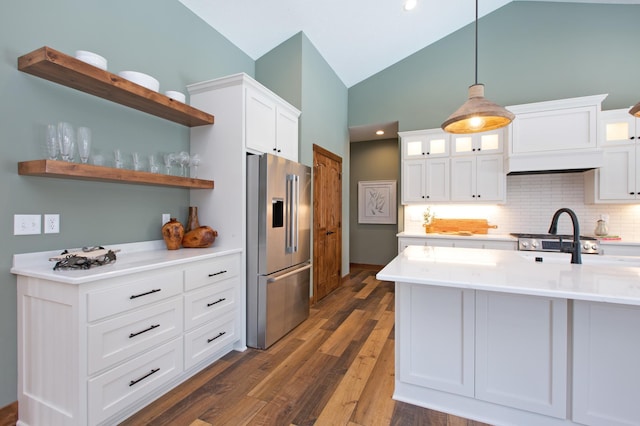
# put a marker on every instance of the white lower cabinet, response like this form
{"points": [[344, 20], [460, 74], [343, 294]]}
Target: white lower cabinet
{"points": [[94, 353], [606, 374], [521, 352], [496, 357], [461, 242]]}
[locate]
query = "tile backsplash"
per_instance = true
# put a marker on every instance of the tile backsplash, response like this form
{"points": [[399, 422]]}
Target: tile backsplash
{"points": [[531, 202]]}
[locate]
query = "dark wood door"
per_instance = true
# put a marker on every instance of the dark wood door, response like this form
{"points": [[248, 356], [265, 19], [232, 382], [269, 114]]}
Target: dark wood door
{"points": [[327, 222]]}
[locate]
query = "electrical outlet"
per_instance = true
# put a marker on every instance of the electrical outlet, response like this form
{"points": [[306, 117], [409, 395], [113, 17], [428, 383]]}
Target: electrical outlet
{"points": [[26, 224], [166, 217], [51, 223]]}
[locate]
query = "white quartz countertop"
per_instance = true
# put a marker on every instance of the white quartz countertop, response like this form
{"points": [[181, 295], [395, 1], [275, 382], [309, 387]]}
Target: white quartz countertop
{"points": [[614, 279], [131, 258]]}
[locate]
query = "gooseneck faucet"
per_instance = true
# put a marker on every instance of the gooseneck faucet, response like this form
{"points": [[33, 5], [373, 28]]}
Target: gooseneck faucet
{"points": [[576, 256]]}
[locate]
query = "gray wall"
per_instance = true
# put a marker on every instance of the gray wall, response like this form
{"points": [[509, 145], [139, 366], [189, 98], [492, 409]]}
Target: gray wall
{"points": [[528, 52], [373, 244], [159, 37]]}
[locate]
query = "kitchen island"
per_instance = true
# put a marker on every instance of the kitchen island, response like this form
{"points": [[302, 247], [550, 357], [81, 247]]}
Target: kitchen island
{"points": [[504, 338]]}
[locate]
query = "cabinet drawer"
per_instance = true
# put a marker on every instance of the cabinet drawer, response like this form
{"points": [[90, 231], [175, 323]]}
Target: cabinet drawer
{"points": [[137, 292], [119, 338], [208, 303], [211, 271], [206, 340], [111, 392]]}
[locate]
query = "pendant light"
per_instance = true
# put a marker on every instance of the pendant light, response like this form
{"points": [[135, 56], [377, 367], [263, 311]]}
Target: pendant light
{"points": [[477, 114], [635, 110]]}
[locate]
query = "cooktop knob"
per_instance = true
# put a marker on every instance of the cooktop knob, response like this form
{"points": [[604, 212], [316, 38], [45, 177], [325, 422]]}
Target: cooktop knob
{"points": [[534, 244], [524, 244]]}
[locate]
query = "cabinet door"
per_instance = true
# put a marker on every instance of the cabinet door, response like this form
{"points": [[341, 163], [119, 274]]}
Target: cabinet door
{"points": [[479, 143], [260, 122], [437, 179], [490, 178], [427, 143], [286, 135], [521, 352], [618, 127], [435, 336], [413, 181], [617, 176], [606, 377], [463, 178]]}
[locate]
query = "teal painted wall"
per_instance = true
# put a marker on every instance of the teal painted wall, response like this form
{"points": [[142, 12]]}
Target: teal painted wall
{"points": [[159, 37], [373, 244], [280, 70], [528, 52]]}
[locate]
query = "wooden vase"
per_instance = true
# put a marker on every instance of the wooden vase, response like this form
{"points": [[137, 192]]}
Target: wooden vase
{"points": [[192, 221], [172, 233]]}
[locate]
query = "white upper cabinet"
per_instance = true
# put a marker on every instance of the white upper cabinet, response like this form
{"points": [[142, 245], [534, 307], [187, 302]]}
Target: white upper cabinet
{"points": [[618, 180], [490, 142], [478, 178], [271, 125], [425, 180], [424, 144]]}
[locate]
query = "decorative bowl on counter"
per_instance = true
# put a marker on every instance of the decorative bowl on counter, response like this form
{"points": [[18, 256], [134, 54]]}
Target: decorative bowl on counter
{"points": [[92, 59], [142, 79]]}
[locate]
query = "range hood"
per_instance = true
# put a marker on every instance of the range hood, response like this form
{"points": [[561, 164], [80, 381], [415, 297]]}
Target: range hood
{"points": [[554, 162]]}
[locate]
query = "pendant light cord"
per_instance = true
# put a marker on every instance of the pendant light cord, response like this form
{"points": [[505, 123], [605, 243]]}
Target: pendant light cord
{"points": [[476, 41]]}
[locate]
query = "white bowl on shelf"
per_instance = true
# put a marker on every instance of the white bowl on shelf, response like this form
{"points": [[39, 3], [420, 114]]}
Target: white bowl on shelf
{"points": [[176, 96], [92, 59], [142, 79]]}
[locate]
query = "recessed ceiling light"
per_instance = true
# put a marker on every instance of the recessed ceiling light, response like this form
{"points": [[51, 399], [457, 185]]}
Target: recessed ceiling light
{"points": [[410, 4], [380, 132]]}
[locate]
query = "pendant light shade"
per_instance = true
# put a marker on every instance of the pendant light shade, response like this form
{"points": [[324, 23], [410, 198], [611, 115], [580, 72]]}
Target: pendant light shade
{"points": [[477, 114], [635, 110]]}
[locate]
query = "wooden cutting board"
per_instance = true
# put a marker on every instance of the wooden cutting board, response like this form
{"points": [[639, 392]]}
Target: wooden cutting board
{"points": [[460, 226]]}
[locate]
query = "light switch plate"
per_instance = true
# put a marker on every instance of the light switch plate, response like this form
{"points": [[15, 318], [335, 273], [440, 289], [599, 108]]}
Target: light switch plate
{"points": [[27, 224]]}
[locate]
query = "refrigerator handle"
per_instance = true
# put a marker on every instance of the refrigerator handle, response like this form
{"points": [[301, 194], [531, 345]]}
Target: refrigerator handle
{"points": [[297, 213], [288, 274], [289, 216]]}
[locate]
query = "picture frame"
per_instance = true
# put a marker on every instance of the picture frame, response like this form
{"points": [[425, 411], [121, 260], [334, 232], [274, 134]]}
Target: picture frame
{"points": [[377, 202]]}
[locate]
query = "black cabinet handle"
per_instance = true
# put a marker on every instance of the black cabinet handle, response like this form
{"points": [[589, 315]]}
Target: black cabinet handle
{"points": [[428, 153], [133, 382], [473, 196], [428, 196], [478, 195], [216, 302], [217, 273], [632, 137], [144, 331], [632, 193], [275, 149], [222, 333], [134, 296]]}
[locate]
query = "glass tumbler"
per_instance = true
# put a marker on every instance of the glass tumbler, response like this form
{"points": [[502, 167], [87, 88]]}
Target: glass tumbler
{"points": [[66, 140], [84, 144], [52, 141]]}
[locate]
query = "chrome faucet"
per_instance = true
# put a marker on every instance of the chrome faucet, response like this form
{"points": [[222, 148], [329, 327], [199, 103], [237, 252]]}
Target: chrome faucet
{"points": [[576, 256]]}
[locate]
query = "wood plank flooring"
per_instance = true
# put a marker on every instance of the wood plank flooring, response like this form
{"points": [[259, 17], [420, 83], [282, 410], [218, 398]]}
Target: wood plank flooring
{"points": [[337, 368]]}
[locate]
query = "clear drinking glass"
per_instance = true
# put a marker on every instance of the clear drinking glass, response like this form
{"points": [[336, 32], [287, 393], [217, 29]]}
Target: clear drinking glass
{"points": [[182, 158], [52, 141], [117, 158], [153, 164], [195, 162], [84, 143], [66, 140], [137, 161], [169, 158]]}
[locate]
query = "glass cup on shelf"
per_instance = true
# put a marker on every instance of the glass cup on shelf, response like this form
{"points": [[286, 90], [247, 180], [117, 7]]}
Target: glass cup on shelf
{"points": [[52, 141], [117, 158], [137, 161], [66, 140], [169, 159], [84, 144], [195, 162], [182, 158], [153, 164]]}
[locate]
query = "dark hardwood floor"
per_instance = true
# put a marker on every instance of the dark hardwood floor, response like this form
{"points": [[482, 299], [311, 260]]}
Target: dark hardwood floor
{"points": [[337, 368]]}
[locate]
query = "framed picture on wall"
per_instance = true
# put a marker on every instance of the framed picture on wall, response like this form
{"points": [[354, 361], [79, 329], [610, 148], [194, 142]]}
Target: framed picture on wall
{"points": [[377, 201]]}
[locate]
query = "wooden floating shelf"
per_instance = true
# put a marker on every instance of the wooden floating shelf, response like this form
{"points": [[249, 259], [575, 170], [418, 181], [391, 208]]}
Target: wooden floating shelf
{"points": [[63, 69], [66, 170]]}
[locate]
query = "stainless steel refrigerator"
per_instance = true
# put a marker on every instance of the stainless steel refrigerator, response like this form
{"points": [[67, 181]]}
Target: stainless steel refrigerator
{"points": [[278, 251]]}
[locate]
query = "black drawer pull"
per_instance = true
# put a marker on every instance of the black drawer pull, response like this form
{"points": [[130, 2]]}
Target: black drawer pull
{"points": [[155, 290], [216, 302], [133, 382], [144, 331], [222, 333], [217, 273]]}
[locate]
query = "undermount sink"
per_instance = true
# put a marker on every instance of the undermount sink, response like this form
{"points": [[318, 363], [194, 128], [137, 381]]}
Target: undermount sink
{"points": [[591, 259]]}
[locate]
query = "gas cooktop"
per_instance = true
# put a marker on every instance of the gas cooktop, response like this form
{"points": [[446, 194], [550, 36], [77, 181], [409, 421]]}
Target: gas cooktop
{"points": [[558, 243]]}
